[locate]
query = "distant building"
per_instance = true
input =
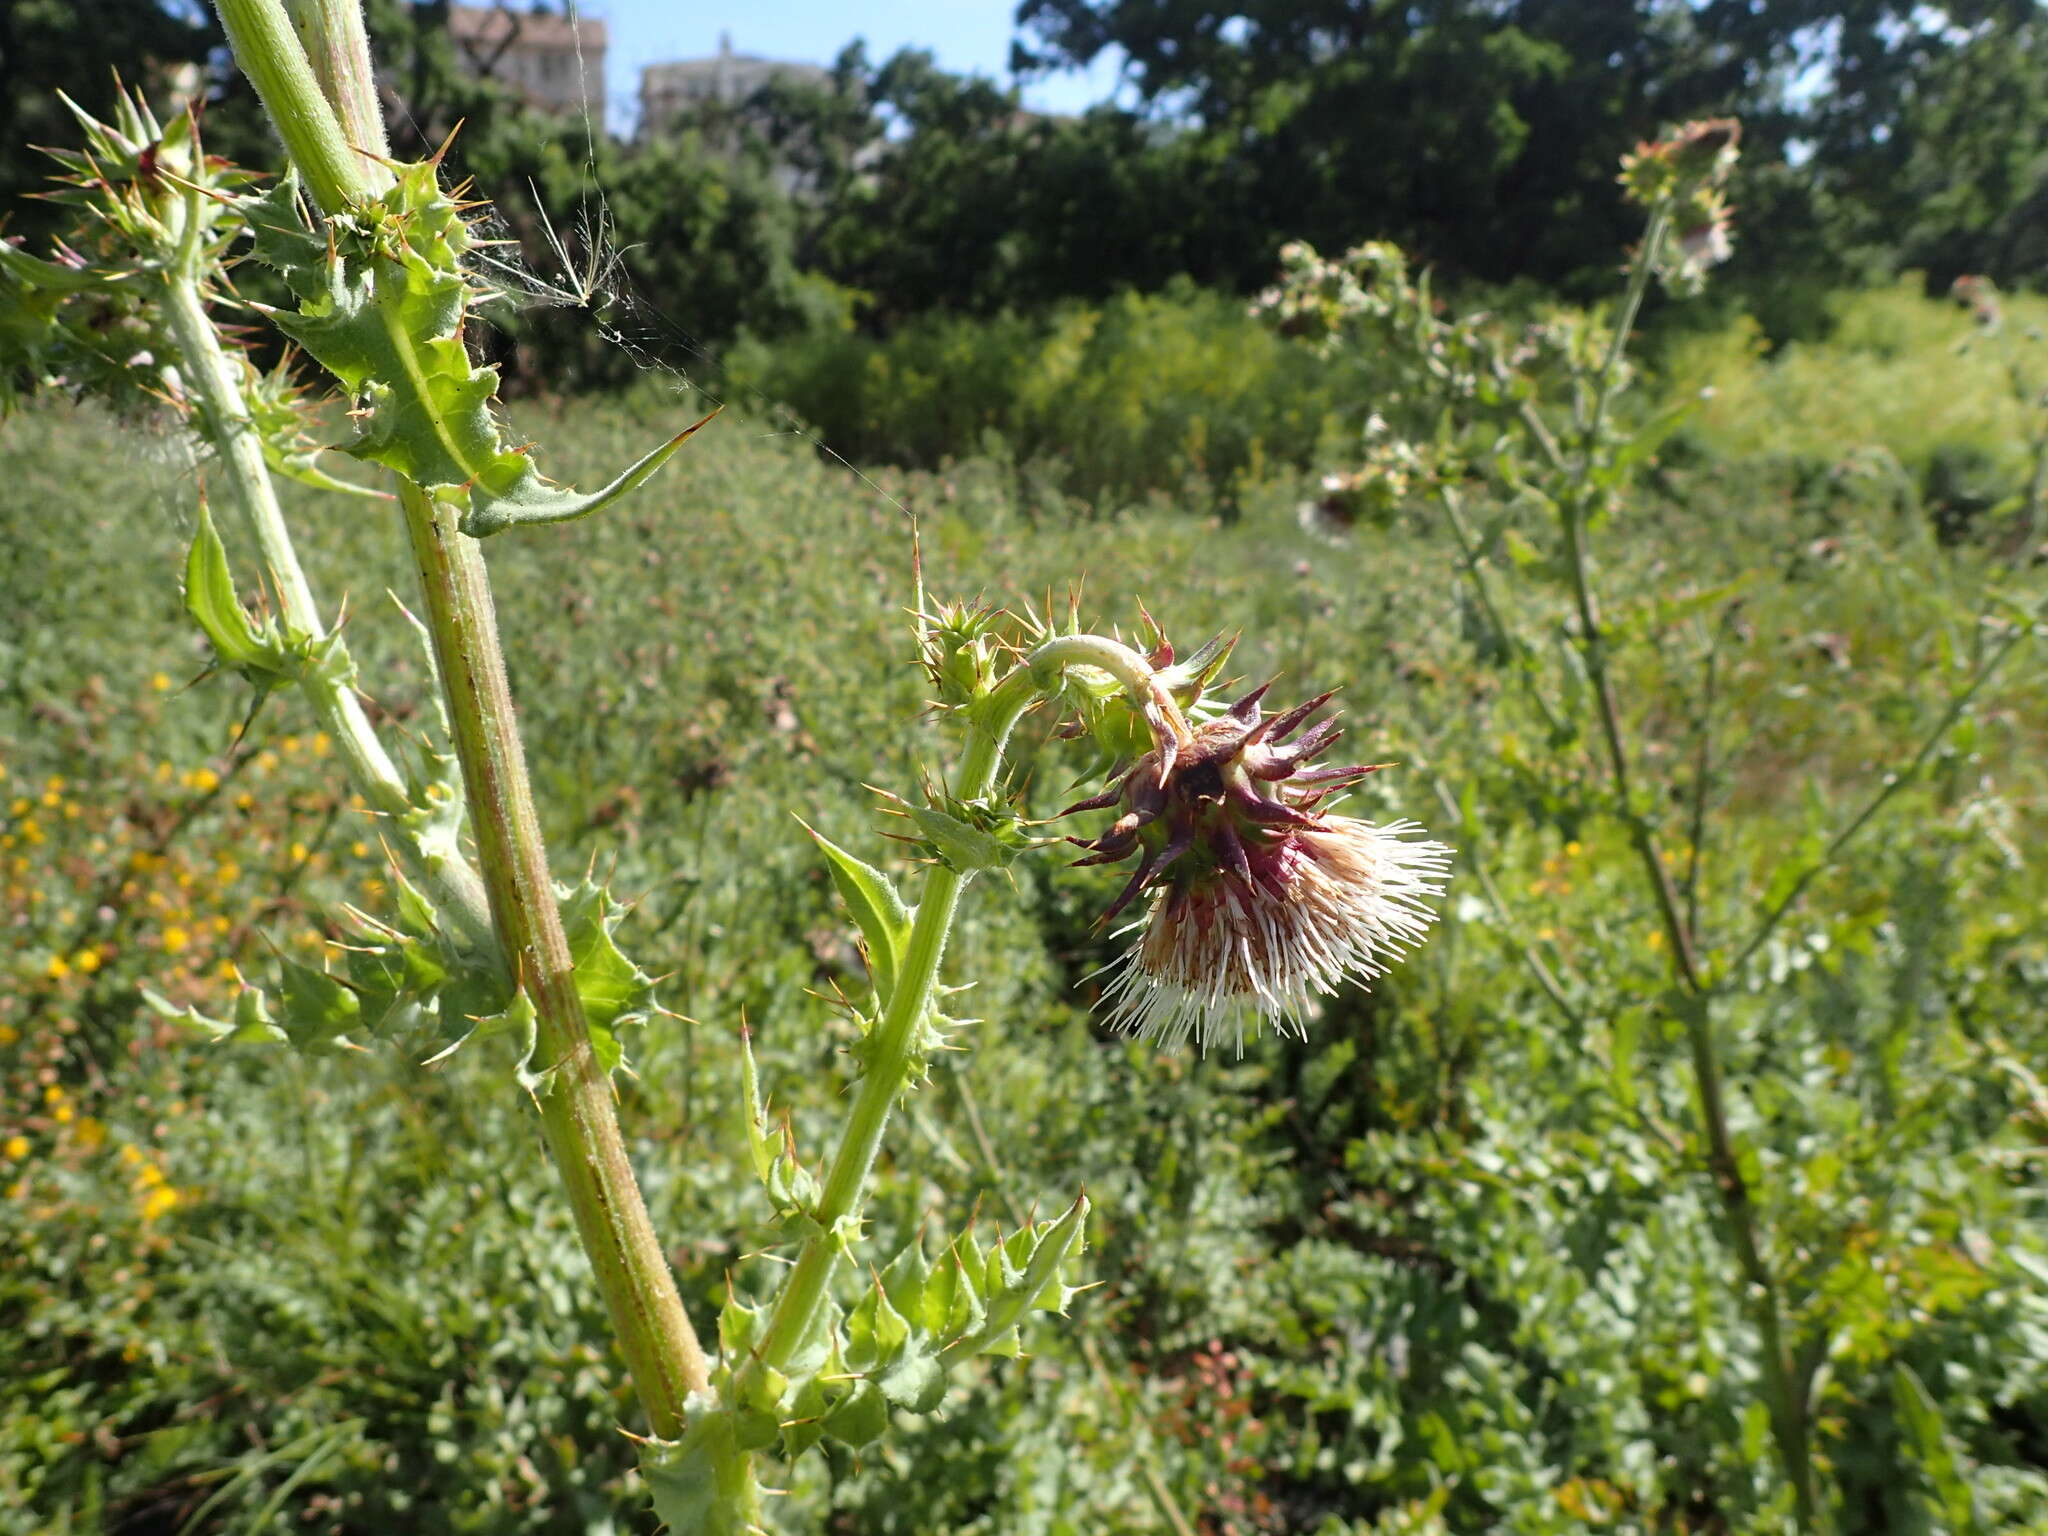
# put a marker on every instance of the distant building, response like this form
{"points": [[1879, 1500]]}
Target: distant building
{"points": [[549, 62], [727, 78]]}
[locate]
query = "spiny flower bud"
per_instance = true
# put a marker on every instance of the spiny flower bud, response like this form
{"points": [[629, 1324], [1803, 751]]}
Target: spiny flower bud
{"points": [[1684, 173], [1695, 157], [1263, 901], [1979, 295]]}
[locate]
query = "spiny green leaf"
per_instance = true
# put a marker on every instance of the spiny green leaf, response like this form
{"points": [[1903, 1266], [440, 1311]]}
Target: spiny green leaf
{"points": [[914, 1379], [318, 1008], [210, 600], [792, 1188], [805, 1426], [703, 1484], [250, 1026], [615, 991], [884, 921], [532, 499], [1023, 1274], [861, 1417], [383, 296]]}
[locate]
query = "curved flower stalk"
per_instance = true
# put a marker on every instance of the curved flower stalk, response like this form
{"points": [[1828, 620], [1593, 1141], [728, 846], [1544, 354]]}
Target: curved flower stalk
{"points": [[1221, 805]]}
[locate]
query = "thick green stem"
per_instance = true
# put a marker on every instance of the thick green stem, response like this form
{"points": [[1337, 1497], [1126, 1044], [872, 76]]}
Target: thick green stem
{"points": [[338, 48], [213, 379], [577, 1113], [268, 49], [578, 1117]]}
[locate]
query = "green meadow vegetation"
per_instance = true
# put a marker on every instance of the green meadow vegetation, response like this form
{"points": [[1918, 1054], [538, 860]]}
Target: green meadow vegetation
{"points": [[610, 1010], [1453, 1262]]}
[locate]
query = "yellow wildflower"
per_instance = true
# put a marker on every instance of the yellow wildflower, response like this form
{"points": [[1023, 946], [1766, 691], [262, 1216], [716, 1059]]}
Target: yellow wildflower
{"points": [[160, 681], [9, 1034], [16, 1148], [86, 960], [58, 968], [175, 939], [159, 1201], [91, 1133], [202, 779]]}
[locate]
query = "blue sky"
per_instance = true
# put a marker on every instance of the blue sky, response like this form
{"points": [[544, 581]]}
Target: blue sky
{"points": [[967, 36]]}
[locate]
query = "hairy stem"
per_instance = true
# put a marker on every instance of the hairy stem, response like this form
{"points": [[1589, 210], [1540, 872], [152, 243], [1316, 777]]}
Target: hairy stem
{"points": [[577, 1112], [888, 1068], [991, 721], [337, 47], [578, 1117], [268, 49], [210, 374]]}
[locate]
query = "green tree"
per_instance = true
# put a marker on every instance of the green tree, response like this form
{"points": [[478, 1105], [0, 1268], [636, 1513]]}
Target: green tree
{"points": [[1478, 132]]}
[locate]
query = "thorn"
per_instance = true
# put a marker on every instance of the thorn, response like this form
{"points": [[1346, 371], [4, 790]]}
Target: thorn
{"points": [[1334, 777], [1246, 709], [1101, 802], [1281, 726], [446, 144]]}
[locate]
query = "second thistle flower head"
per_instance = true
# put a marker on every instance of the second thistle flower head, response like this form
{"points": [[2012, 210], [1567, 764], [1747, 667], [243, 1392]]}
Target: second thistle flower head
{"points": [[1261, 900]]}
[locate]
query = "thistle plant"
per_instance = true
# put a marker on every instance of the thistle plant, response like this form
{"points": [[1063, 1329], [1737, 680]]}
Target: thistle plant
{"points": [[1535, 418], [1259, 895]]}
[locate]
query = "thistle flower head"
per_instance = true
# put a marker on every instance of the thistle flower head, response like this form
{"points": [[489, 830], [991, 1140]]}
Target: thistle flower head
{"points": [[1686, 173], [1261, 900], [1979, 295]]}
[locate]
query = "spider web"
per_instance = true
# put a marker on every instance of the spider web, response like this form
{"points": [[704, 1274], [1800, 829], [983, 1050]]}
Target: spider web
{"points": [[585, 270]]}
